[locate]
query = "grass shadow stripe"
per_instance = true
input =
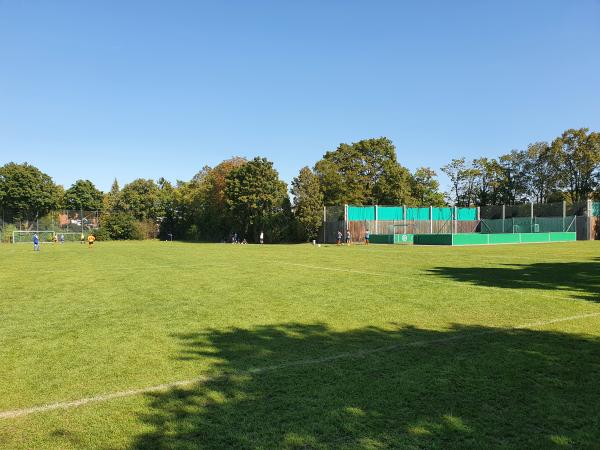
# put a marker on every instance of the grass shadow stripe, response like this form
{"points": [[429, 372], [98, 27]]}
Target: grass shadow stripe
{"points": [[266, 369]]}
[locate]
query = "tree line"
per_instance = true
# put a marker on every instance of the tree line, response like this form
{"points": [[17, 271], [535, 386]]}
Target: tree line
{"points": [[247, 197], [565, 169]]}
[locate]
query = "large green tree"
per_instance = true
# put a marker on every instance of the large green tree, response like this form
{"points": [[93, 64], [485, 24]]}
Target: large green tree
{"points": [[110, 201], [119, 225], [257, 200], [467, 181], [200, 210], [27, 193], [487, 181], [576, 154], [541, 172], [514, 182], [83, 195], [364, 173], [308, 203], [454, 170], [426, 188], [141, 198]]}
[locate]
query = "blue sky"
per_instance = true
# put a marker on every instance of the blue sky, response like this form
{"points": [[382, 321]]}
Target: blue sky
{"points": [[131, 89]]}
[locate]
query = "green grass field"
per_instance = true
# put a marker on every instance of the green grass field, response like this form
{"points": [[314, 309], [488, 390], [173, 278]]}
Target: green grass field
{"points": [[300, 347]]}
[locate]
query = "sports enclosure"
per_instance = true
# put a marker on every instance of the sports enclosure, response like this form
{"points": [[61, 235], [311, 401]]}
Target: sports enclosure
{"points": [[67, 223], [400, 224]]}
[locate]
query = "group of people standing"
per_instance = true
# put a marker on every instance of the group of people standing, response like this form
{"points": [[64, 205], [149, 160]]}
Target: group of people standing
{"points": [[340, 236], [61, 239], [235, 239]]}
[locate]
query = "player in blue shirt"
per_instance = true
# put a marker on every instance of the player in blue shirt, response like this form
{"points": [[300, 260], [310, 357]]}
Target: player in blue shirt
{"points": [[36, 242]]}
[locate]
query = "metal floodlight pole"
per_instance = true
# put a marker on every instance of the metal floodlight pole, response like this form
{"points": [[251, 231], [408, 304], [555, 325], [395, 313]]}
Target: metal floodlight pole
{"points": [[503, 218], [564, 205]]}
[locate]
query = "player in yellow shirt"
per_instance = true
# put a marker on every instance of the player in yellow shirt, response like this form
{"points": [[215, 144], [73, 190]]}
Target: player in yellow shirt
{"points": [[91, 238]]}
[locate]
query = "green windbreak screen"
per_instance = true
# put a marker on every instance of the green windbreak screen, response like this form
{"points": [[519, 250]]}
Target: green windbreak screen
{"points": [[441, 213], [397, 213], [467, 214], [417, 213], [390, 213], [361, 213], [596, 209]]}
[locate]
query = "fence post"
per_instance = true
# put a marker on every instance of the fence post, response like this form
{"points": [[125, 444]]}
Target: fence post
{"points": [[376, 220], [531, 220], [346, 222], [431, 220], [503, 218], [455, 221], [324, 222], [565, 216], [590, 218]]}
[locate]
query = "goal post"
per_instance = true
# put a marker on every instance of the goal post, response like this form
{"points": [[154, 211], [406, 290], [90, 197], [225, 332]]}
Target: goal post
{"points": [[70, 236], [26, 237]]}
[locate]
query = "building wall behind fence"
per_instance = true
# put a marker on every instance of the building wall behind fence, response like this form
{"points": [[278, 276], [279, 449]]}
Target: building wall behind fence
{"points": [[595, 228], [583, 228]]}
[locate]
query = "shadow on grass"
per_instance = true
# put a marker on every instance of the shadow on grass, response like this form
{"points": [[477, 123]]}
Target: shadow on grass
{"points": [[582, 278], [467, 387]]}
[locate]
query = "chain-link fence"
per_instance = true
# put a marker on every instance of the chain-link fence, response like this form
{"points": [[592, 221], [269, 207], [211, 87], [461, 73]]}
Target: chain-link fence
{"points": [[578, 217], [529, 225], [69, 223]]}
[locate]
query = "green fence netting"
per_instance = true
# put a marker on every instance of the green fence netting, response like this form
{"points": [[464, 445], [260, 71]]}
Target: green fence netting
{"points": [[417, 213], [466, 214], [596, 209], [556, 209], [441, 213], [361, 213], [529, 225], [390, 213]]}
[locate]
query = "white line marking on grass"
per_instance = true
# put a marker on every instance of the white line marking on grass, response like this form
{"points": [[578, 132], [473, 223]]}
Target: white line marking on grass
{"points": [[335, 269], [260, 370], [98, 398]]}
